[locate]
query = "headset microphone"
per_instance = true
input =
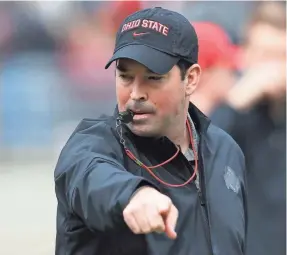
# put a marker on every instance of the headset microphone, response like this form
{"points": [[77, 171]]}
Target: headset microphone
{"points": [[126, 116]]}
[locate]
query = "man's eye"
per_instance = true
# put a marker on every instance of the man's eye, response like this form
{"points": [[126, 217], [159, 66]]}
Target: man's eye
{"points": [[155, 78], [125, 77]]}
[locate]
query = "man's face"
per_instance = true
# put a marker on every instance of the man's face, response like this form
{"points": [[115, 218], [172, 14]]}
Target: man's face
{"points": [[158, 101]]}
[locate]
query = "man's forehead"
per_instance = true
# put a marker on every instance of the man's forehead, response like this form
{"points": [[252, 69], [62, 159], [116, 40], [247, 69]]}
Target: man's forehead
{"points": [[129, 65]]}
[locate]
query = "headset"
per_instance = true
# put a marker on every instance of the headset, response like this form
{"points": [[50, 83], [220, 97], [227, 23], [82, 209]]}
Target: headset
{"points": [[126, 117]]}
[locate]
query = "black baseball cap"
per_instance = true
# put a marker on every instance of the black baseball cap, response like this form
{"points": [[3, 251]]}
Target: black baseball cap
{"points": [[157, 38]]}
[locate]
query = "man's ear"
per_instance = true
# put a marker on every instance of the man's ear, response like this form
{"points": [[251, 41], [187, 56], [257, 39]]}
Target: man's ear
{"points": [[192, 79]]}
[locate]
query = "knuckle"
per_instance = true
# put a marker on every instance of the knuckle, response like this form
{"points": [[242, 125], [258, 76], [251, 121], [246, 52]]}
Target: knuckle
{"points": [[128, 221], [168, 200], [157, 226], [146, 229], [127, 212], [131, 226], [136, 231], [165, 203], [175, 210]]}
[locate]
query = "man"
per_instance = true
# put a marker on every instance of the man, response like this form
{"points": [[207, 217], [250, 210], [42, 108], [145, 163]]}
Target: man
{"points": [[166, 182], [255, 116]]}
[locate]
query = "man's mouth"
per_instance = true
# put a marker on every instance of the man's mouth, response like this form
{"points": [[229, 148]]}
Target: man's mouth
{"points": [[141, 115], [139, 112]]}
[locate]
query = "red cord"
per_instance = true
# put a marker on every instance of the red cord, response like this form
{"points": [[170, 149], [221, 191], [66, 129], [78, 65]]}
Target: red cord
{"points": [[149, 169]]}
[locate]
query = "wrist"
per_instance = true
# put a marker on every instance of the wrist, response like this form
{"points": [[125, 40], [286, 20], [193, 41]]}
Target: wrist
{"points": [[140, 189]]}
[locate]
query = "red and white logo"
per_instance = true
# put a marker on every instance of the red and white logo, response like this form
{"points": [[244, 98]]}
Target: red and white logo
{"points": [[148, 24]]}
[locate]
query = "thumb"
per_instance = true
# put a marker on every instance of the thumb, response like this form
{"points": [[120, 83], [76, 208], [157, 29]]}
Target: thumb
{"points": [[170, 220]]}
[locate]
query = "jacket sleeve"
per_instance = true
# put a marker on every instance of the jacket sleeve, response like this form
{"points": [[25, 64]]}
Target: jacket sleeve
{"points": [[90, 179]]}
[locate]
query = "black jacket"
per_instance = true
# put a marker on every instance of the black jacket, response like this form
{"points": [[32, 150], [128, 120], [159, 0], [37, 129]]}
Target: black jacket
{"points": [[95, 179]]}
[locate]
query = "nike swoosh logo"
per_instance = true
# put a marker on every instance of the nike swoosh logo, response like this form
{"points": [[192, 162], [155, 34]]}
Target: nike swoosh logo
{"points": [[139, 34]]}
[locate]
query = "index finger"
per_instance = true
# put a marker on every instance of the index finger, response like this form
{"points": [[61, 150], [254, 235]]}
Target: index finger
{"points": [[170, 222]]}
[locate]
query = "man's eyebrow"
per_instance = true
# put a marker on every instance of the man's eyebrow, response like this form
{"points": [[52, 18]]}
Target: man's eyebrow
{"points": [[149, 72], [121, 68]]}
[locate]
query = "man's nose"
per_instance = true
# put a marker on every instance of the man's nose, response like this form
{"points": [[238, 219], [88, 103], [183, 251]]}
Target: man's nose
{"points": [[138, 92]]}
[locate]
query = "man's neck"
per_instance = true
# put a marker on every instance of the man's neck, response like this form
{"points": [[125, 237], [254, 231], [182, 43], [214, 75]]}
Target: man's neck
{"points": [[179, 133], [180, 137], [183, 141]]}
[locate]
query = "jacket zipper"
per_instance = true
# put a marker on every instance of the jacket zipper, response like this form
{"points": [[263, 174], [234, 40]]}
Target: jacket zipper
{"points": [[202, 194]]}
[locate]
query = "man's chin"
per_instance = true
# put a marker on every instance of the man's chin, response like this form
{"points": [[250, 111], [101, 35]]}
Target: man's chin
{"points": [[143, 130]]}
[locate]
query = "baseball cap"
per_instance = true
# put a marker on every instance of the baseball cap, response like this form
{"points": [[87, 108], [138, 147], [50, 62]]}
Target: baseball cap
{"points": [[157, 38]]}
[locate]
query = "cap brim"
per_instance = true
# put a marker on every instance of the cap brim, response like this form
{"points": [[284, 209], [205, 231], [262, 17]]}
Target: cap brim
{"points": [[155, 60]]}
